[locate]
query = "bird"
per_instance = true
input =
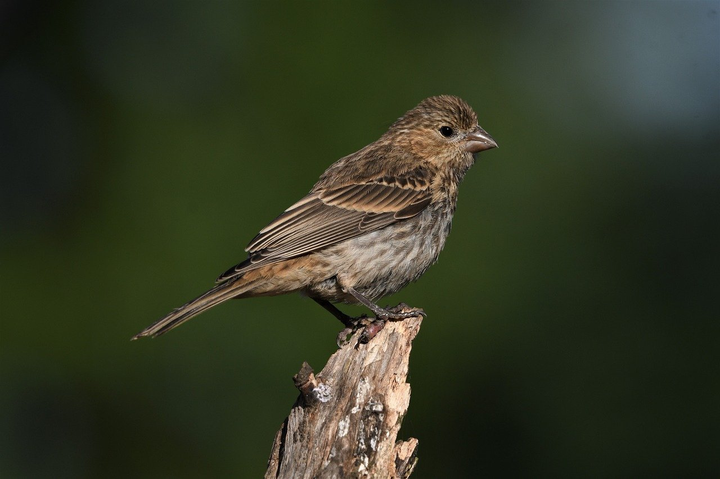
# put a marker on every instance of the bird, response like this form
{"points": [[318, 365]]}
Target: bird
{"points": [[373, 223]]}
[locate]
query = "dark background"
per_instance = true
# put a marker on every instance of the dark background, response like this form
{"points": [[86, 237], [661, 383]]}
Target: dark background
{"points": [[573, 317]]}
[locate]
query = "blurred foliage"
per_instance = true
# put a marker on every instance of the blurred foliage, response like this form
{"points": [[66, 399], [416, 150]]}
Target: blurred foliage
{"points": [[573, 320]]}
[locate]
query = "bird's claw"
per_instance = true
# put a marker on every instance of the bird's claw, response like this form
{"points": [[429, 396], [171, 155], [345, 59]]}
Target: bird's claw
{"points": [[403, 311], [373, 326], [344, 336]]}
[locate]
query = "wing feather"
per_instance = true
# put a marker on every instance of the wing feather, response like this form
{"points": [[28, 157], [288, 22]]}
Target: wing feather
{"points": [[329, 216]]}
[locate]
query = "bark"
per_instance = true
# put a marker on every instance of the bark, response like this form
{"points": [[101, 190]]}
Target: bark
{"points": [[346, 420]]}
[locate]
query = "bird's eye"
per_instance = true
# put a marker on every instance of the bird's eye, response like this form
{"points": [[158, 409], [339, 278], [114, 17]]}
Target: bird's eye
{"points": [[446, 131]]}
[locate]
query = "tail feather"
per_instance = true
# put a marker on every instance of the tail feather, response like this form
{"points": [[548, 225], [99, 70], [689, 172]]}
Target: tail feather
{"points": [[218, 294]]}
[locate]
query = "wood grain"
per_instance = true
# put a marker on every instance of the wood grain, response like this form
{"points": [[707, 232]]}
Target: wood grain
{"points": [[346, 421]]}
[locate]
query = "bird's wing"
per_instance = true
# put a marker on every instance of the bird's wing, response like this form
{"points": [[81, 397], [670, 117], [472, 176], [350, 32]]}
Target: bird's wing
{"points": [[329, 216]]}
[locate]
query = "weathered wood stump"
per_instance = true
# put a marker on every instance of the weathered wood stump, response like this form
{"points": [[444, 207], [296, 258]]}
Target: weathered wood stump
{"points": [[346, 420]]}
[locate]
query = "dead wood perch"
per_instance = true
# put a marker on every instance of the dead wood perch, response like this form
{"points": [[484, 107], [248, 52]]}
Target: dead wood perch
{"points": [[346, 420]]}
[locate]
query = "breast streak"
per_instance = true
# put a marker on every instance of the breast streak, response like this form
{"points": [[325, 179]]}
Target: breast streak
{"points": [[384, 261]]}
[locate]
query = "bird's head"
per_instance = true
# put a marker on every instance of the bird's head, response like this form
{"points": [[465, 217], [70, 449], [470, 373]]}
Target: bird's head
{"points": [[442, 128]]}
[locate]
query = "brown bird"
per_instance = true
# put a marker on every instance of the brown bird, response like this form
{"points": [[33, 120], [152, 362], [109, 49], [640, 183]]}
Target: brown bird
{"points": [[374, 222]]}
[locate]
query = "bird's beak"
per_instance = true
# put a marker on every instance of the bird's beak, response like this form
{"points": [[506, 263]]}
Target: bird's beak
{"points": [[479, 140]]}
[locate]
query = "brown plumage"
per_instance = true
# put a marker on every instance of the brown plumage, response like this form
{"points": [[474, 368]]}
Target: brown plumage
{"points": [[374, 221]]}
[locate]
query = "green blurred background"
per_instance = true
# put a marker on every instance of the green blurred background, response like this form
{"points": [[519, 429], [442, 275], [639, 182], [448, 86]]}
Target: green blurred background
{"points": [[573, 317]]}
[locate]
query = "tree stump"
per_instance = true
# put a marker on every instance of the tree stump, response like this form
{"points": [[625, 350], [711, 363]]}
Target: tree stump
{"points": [[346, 420]]}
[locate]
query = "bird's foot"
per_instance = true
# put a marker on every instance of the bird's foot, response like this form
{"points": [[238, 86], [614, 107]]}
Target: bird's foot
{"points": [[371, 327], [396, 313], [352, 325], [401, 311]]}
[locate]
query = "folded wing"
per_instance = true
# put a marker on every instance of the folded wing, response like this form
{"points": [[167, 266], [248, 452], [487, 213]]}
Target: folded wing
{"points": [[330, 216]]}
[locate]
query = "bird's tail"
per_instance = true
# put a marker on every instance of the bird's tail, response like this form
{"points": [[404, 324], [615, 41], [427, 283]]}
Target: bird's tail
{"points": [[220, 293]]}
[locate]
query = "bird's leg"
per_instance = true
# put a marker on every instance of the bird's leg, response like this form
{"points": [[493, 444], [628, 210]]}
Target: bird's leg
{"points": [[401, 311], [348, 321], [351, 324]]}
